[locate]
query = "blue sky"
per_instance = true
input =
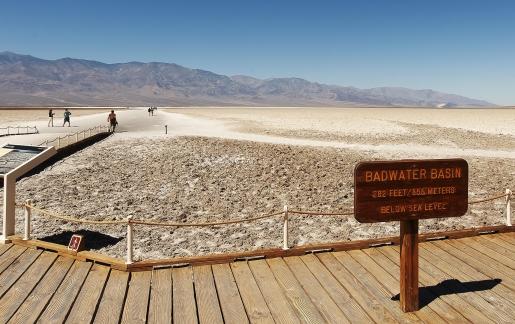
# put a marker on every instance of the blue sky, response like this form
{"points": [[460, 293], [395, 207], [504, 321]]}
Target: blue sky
{"points": [[462, 47]]}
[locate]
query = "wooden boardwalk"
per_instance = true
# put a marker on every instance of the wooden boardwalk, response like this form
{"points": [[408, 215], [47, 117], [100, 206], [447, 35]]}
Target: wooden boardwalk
{"points": [[462, 280]]}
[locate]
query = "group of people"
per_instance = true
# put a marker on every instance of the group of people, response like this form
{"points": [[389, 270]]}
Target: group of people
{"points": [[111, 119], [51, 115], [151, 111]]}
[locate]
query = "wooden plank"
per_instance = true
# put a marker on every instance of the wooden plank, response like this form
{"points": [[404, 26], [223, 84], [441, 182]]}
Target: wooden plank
{"points": [[507, 237], [498, 239], [443, 309], [105, 259], [274, 296], [457, 269], [230, 300], [184, 306], [296, 295], [111, 304], [136, 304], [255, 305], [12, 300], [497, 251], [510, 235], [374, 308], [4, 247], [494, 248], [392, 285], [375, 288], [479, 261], [32, 307], [209, 311], [64, 251], [487, 302], [160, 308], [16, 269], [440, 270], [301, 250], [18, 240], [86, 302], [9, 256], [230, 257], [457, 302], [63, 299], [320, 298], [341, 297]]}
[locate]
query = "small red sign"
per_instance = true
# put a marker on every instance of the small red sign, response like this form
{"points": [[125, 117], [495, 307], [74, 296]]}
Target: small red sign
{"points": [[76, 243]]}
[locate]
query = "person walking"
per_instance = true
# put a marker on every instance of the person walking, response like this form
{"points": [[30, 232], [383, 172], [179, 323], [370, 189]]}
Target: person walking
{"points": [[112, 121], [67, 115], [50, 118], [149, 110]]}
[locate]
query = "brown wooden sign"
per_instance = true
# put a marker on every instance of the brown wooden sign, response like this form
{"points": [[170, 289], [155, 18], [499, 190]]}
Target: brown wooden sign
{"points": [[410, 189]]}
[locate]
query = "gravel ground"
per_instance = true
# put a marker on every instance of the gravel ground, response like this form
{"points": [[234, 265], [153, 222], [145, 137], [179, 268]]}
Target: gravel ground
{"points": [[197, 179]]}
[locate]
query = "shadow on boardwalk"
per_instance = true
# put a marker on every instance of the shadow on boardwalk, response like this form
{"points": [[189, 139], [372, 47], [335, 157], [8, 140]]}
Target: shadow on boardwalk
{"points": [[451, 287]]}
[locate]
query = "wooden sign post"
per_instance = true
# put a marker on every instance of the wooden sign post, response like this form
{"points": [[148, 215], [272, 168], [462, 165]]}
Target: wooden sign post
{"points": [[407, 191], [409, 266]]}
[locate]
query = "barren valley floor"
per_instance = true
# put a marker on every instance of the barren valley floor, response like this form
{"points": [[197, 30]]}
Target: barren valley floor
{"points": [[236, 163]]}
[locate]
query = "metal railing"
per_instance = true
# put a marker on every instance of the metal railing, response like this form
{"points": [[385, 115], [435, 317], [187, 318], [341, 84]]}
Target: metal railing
{"points": [[18, 130], [68, 139]]}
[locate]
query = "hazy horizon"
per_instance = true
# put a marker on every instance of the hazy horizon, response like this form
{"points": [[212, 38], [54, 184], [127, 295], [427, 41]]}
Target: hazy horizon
{"points": [[459, 47]]}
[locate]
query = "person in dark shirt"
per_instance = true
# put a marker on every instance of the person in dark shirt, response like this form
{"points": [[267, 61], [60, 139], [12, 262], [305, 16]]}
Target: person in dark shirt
{"points": [[112, 121], [67, 115], [50, 118]]}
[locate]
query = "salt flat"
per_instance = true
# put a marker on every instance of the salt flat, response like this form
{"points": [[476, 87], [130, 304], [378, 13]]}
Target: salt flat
{"points": [[364, 120], [230, 163]]}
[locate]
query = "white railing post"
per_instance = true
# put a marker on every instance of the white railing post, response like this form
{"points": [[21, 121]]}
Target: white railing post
{"points": [[26, 235], [129, 240], [76, 137], [89, 132], [285, 228], [58, 142], [508, 207]]}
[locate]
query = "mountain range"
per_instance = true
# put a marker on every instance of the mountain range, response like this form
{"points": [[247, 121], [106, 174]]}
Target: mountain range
{"points": [[29, 81]]}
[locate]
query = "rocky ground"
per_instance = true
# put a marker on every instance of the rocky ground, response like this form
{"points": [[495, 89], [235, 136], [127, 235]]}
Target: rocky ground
{"points": [[197, 179]]}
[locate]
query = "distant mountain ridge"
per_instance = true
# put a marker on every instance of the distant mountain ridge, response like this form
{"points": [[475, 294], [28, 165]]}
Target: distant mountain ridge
{"points": [[29, 81]]}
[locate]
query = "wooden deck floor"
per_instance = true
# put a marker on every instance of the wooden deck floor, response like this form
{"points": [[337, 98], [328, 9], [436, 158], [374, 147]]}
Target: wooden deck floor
{"points": [[463, 280]]}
